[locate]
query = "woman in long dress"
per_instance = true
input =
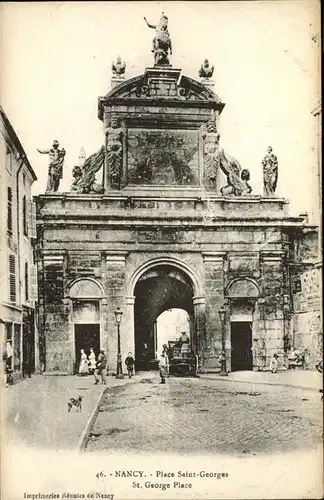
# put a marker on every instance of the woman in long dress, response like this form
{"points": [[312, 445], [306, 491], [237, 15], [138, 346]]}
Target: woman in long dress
{"points": [[92, 361], [83, 368]]}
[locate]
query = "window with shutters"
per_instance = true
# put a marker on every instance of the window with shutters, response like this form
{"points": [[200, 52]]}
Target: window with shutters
{"points": [[33, 282], [8, 159], [9, 211], [32, 219], [25, 220], [12, 278], [26, 282]]}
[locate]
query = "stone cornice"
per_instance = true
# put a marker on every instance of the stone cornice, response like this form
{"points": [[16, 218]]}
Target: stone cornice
{"points": [[170, 193], [272, 255], [116, 258], [130, 221], [53, 258], [214, 256]]}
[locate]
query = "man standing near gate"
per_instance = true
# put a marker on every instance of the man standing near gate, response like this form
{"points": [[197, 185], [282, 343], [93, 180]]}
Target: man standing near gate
{"points": [[101, 368]]}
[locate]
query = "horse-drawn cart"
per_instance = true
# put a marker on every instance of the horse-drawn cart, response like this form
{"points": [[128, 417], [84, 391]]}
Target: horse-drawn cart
{"points": [[182, 360]]}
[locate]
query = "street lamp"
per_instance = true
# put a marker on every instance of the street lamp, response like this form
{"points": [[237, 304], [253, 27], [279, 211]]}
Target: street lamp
{"points": [[118, 316], [222, 316], [286, 313]]}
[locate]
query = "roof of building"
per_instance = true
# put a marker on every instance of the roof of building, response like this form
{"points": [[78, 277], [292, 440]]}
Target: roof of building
{"points": [[318, 109], [14, 137]]}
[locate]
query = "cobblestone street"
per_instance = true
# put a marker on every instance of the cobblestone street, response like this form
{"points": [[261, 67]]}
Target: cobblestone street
{"points": [[203, 416]]}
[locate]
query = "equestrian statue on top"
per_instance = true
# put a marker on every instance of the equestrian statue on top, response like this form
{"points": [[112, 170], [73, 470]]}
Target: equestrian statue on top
{"points": [[161, 42]]}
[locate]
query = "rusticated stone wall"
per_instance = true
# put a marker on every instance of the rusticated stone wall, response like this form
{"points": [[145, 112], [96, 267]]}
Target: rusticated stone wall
{"points": [[55, 320], [214, 286], [110, 241]]}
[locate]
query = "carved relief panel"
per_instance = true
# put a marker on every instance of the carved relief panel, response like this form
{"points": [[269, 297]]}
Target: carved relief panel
{"points": [[162, 156]]}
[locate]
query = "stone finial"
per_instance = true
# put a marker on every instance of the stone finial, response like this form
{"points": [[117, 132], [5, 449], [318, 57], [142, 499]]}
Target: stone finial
{"points": [[119, 67], [206, 71]]}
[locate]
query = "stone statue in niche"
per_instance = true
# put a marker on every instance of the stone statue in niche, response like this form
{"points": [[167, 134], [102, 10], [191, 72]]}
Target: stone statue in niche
{"points": [[119, 67], [211, 152], [55, 167], [114, 152], [85, 176], [206, 71], [237, 178], [161, 42], [270, 173]]}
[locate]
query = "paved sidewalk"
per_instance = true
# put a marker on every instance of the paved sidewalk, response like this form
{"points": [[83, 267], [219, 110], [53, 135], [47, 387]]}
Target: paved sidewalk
{"points": [[36, 410], [301, 379]]}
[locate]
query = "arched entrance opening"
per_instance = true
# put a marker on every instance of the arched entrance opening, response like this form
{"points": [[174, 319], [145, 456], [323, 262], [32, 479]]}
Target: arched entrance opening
{"points": [[170, 326], [159, 289]]}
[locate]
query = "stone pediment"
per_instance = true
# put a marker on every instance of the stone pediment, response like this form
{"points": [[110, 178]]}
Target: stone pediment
{"points": [[162, 84]]}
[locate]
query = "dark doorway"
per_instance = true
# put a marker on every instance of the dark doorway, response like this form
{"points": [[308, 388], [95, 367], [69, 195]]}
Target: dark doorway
{"points": [[86, 336], [28, 359], [241, 343]]}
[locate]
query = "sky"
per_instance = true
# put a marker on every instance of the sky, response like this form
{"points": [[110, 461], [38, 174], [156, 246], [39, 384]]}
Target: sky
{"points": [[56, 62], [170, 324]]}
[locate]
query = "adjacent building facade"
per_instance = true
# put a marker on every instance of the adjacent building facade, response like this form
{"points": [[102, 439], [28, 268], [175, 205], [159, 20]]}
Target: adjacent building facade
{"points": [[306, 270], [173, 224], [18, 288]]}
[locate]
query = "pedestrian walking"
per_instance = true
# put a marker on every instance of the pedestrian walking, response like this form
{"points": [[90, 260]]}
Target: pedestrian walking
{"points": [[165, 350], [83, 367], [163, 367], [92, 361], [274, 363], [101, 366], [27, 362], [145, 355], [130, 364]]}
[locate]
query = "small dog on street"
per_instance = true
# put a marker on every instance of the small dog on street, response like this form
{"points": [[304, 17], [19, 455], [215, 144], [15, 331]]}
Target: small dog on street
{"points": [[75, 402]]}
